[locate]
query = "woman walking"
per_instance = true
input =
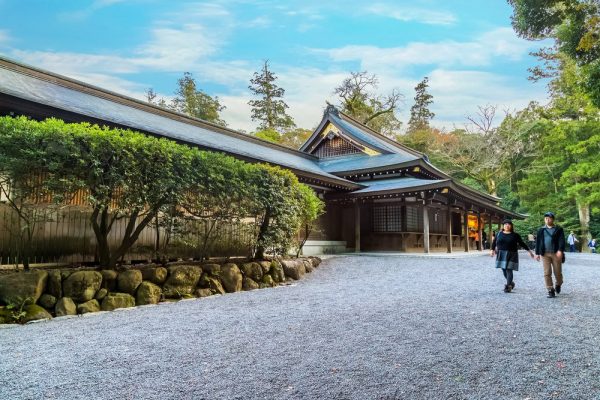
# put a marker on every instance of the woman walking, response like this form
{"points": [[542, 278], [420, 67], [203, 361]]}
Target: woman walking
{"points": [[505, 247]]}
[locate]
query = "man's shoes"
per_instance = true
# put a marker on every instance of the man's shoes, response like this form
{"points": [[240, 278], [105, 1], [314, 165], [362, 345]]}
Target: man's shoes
{"points": [[551, 293], [557, 289]]}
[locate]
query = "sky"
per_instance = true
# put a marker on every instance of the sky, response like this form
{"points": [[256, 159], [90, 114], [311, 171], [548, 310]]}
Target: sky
{"points": [[467, 48]]}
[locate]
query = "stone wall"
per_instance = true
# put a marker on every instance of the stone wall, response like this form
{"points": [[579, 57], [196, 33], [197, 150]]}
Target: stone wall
{"points": [[32, 295]]}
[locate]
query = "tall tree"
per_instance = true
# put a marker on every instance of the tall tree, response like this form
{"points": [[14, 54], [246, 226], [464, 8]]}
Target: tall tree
{"points": [[420, 115], [270, 109], [575, 27], [358, 101]]}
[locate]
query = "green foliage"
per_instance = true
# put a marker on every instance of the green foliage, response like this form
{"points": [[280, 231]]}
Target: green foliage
{"points": [[420, 115], [17, 312], [358, 101], [270, 109], [270, 135]]}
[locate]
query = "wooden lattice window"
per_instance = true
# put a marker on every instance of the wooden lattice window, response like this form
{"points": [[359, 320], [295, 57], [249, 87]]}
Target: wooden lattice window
{"points": [[414, 219], [387, 218], [335, 147]]}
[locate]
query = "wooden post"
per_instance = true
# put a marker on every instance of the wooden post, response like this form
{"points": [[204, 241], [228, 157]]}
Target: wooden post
{"points": [[490, 238], [425, 229], [480, 230], [356, 226], [466, 229], [449, 227]]}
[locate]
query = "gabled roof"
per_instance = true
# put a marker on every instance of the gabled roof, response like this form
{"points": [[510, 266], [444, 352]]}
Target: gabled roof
{"points": [[356, 133], [41, 87]]}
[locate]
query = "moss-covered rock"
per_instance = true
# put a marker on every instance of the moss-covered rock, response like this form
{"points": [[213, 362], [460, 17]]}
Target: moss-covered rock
{"points": [[203, 292], [277, 272], [54, 286], [268, 280], [65, 306], [293, 269], [316, 261], [128, 281], [34, 312], [109, 279], [212, 269], [156, 275], [212, 283], [148, 293], [253, 271], [101, 294], [117, 300], [308, 266], [88, 307], [16, 288], [249, 284], [266, 266], [231, 277], [47, 301], [82, 286], [182, 280]]}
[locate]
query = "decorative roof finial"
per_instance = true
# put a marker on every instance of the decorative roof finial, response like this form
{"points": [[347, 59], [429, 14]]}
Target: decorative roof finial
{"points": [[331, 109]]}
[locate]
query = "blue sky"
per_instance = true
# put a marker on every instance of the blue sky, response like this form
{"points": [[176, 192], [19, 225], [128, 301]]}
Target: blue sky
{"points": [[466, 47]]}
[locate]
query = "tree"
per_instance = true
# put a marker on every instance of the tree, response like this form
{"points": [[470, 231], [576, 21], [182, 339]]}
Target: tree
{"points": [[270, 109], [190, 101], [420, 115], [293, 138], [575, 27], [310, 210], [377, 112]]}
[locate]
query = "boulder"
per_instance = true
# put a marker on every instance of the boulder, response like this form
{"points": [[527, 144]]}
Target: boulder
{"points": [[315, 261], [182, 280], [268, 280], [231, 277], [156, 275], [101, 294], [128, 281], [82, 286], [112, 301], [34, 312], [109, 279], [203, 292], [212, 269], [266, 266], [65, 306], [148, 293], [88, 307], [293, 269], [253, 271], [47, 301], [307, 265], [249, 284], [16, 288], [277, 272], [212, 283], [54, 284], [65, 274]]}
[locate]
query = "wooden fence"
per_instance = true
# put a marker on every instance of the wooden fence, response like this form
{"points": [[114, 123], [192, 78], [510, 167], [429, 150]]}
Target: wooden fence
{"points": [[64, 235]]}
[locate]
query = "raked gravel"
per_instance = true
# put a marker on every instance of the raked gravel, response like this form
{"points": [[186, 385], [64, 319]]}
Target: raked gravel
{"points": [[356, 328]]}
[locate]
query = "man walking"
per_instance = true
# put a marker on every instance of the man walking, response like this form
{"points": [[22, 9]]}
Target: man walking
{"points": [[571, 239], [550, 247]]}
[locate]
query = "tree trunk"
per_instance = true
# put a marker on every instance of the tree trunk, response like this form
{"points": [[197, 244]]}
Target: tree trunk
{"points": [[264, 227], [584, 223]]}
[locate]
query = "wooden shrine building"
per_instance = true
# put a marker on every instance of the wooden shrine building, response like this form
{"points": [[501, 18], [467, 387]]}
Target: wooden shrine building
{"points": [[379, 194]]}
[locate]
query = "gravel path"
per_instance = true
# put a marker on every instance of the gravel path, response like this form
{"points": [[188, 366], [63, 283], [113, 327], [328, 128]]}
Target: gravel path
{"points": [[356, 328]]}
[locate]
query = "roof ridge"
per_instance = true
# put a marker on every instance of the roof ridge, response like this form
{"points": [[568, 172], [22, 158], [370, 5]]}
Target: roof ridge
{"points": [[75, 84]]}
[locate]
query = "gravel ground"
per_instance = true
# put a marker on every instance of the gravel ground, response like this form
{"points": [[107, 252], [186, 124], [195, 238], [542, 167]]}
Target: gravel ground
{"points": [[356, 328]]}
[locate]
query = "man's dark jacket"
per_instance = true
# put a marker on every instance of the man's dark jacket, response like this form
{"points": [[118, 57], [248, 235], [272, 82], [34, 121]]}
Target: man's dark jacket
{"points": [[558, 240]]}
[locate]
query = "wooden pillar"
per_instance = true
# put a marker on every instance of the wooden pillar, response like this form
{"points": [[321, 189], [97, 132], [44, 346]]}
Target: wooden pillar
{"points": [[466, 229], [449, 228], [490, 238], [356, 226], [480, 230], [425, 229]]}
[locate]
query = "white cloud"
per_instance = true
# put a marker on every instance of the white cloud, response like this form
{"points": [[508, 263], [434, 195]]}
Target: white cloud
{"points": [[403, 13], [4, 36], [501, 42]]}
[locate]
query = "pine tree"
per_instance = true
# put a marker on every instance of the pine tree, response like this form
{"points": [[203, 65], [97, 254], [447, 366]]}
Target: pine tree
{"points": [[194, 102], [270, 109], [420, 115]]}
